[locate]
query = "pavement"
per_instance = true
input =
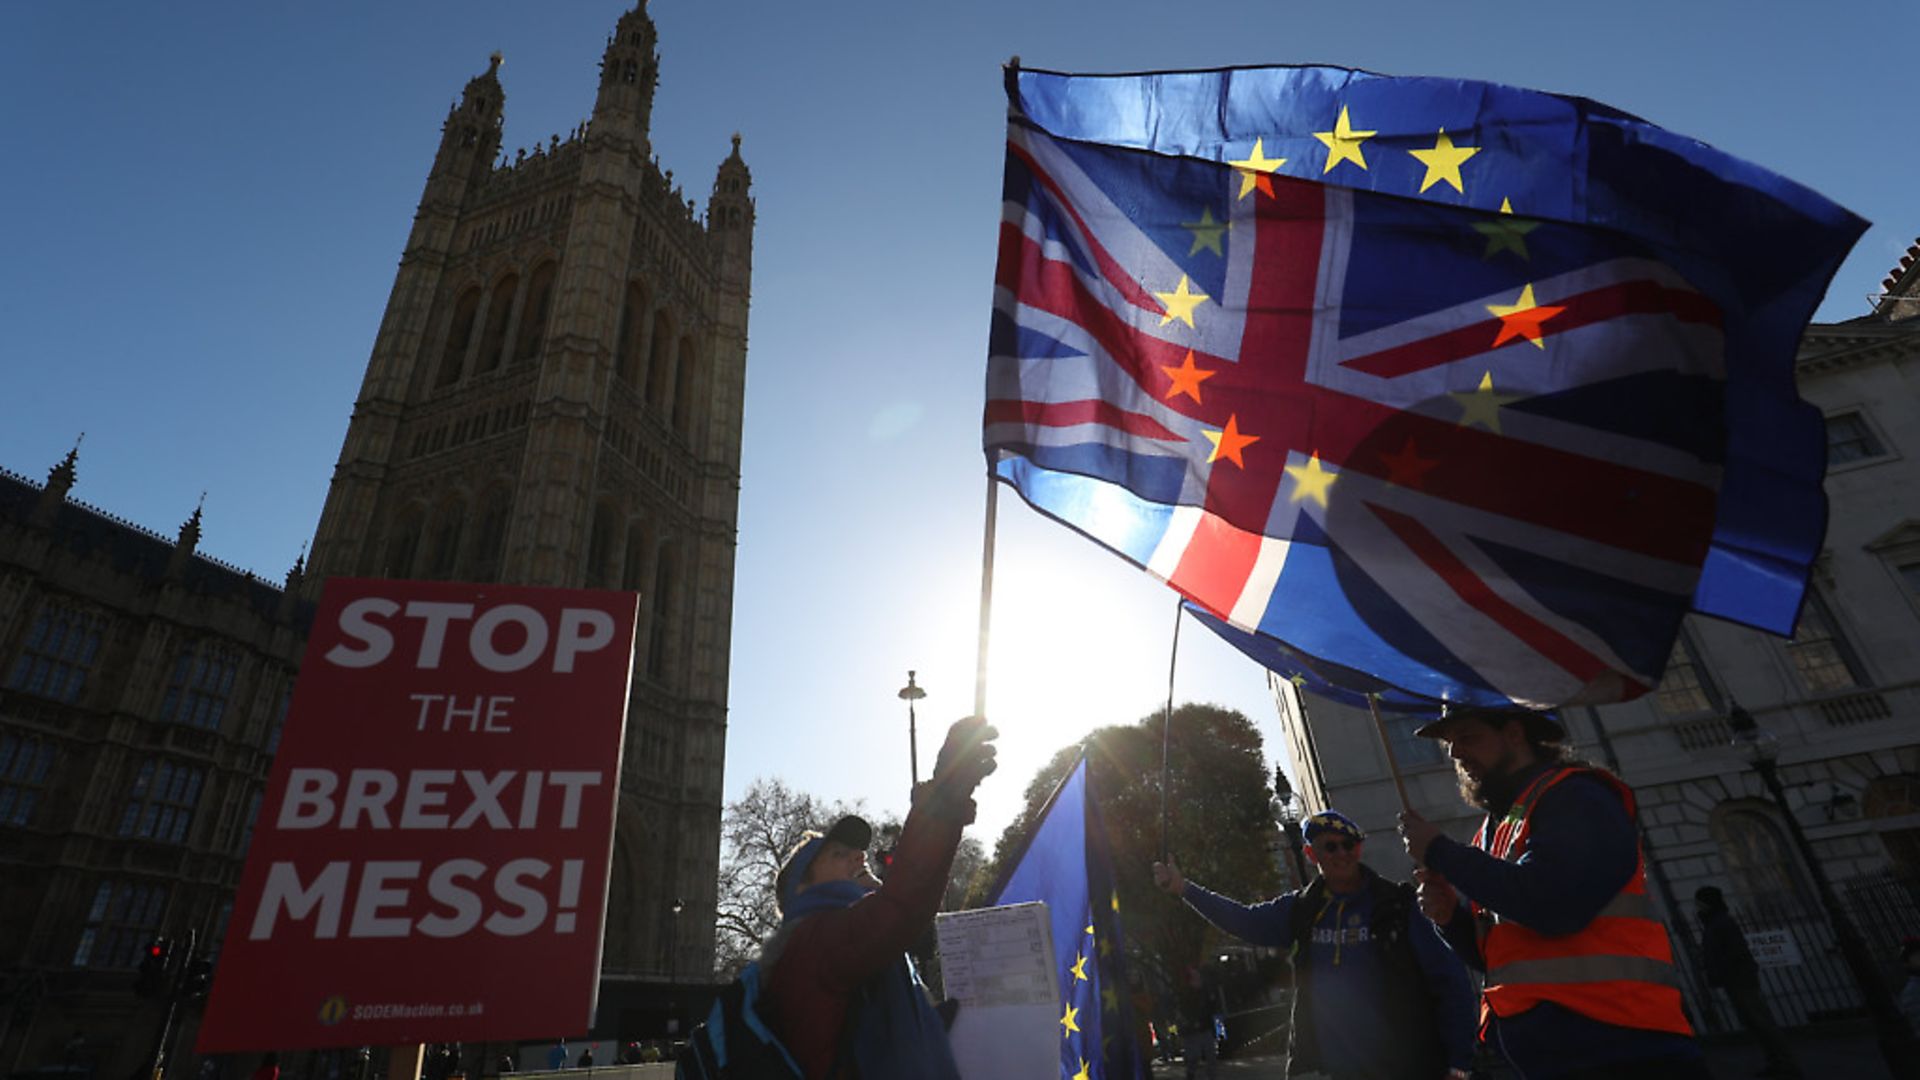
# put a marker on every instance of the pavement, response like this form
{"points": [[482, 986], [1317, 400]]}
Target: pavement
{"points": [[1844, 1052]]}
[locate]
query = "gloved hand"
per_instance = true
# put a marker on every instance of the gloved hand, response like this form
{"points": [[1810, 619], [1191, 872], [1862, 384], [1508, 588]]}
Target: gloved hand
{"points": [[966, 758], [1167, 876]]}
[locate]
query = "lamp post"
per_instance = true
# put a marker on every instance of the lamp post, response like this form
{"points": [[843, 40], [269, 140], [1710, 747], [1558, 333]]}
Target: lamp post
{"points": [[673, 939], [911, 693], [1761, 749], [1286, 810]]}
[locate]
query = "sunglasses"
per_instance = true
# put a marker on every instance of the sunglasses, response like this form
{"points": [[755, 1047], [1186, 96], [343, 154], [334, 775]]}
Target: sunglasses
{"points": [[1335, 847]]}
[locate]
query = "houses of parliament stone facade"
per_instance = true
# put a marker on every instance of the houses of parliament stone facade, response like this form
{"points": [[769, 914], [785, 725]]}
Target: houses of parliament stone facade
{"points": [[554, 397]]}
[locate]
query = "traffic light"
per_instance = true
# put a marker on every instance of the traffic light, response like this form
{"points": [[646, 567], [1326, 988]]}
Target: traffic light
{"points": [[197, 979], [883, 862], [152, 980]]}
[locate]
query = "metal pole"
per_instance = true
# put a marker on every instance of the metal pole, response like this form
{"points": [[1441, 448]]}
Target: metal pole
{"points": [[911, 693], [170, 986], [1896, 1041], [1380, 725], [1166, 728], [986, 595]]}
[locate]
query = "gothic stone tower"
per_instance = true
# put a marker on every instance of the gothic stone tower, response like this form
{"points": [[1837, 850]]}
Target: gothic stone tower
{"points": [[554, 398]]}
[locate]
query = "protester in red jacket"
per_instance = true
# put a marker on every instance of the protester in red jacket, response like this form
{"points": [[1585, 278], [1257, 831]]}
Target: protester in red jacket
{"points": [[842, 994]]}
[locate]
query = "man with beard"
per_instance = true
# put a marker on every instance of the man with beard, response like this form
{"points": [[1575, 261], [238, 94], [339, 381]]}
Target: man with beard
{"points": [[1550, 900], [1377, 996]]}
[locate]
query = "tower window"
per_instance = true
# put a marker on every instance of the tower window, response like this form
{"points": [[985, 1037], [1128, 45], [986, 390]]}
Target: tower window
{"points": [[459, 336], [121, 920], [198, 691], [58, 653], [534, 314], [499, 311], [162, 802], [25, 764]]}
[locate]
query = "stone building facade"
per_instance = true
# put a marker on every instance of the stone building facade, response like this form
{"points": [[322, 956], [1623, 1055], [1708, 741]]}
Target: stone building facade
{"points": [[142, 687], [1842, 697], [554, 397]]}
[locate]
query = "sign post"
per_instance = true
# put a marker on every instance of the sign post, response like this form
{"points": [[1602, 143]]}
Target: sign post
{"points": [[430, 860]]}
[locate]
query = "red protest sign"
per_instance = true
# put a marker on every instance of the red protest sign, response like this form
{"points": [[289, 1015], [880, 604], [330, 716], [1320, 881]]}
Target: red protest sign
{"points": [[430, 860]]}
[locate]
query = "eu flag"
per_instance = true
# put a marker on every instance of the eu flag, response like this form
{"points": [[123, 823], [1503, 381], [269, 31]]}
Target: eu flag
{"points": [[1067, 864], [1466, 391]]}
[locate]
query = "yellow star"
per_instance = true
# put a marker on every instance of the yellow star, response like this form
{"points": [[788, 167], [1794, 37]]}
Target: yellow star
{"points": [[1443, 162], [1079, 968], [1310, 481], [1343, 143], [1297, 679], [1187, 378], [1522, 320], [1082, 1074], [1110, 1000], [1229, 442], [1256, 171], [1067, 1020], [1506, 235], [1482, 406], [1089, 929], [1105, 947], [1206, 232], [1116, 901], [1180, 303]]}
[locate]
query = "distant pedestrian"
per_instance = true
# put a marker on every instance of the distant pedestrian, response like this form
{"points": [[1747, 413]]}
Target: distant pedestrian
{"points": [[1910, 993], [506, 1064], [1580, 977], [557, 1057], [586, 1058], [1730, 967], [269, 1068]]}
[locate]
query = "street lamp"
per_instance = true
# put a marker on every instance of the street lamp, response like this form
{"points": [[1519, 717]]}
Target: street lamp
{"points": [[1286, 810], [673, 939], [911, 693], [1759, 748]]}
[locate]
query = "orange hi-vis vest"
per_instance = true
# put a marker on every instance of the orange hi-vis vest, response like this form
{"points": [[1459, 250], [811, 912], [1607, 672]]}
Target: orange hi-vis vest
{"points": [[1617, 969]]}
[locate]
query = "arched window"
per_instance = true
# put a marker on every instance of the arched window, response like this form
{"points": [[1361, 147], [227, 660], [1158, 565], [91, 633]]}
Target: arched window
{"points": [[459, 336], [660, 358], [633, 325], [533, 317], [1762, 866], [686, 375], [1820, 653], [663, 607], [444, 554], [499, 311], [633, 567], [489, 540], [403, 544], [1896, 797], [600, 542]]}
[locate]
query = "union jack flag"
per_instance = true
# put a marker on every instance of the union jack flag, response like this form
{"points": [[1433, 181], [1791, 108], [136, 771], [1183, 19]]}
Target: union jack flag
{"points": [[1465, 391]]}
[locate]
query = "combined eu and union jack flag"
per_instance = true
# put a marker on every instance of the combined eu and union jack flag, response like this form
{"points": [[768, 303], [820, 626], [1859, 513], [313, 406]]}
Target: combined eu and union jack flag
{"points": [[1068, 865], [1461, 390]]}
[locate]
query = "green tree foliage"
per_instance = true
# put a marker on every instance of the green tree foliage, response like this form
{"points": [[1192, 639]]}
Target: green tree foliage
{"points": [[1219, 826]]}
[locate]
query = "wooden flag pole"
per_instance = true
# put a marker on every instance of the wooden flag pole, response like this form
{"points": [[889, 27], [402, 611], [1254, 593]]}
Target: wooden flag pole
{"points": [[1166, 726], [1380, 725], [986, 595]]}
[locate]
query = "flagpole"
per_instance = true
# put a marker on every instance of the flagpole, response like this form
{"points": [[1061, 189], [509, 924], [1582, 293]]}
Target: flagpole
{"points": [[986, 593], [1380, 725], [1166, 727]]}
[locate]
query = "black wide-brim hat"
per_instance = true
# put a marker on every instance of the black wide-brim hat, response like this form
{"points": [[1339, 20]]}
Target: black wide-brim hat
{"points": [[1541, 724]]}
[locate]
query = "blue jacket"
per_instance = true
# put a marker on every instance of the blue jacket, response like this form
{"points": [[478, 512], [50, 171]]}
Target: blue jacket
{"points": [[1350, 1007], [1581, 851]]}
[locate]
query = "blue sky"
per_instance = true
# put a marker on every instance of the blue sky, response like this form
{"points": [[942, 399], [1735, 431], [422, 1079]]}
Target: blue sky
{"points": [[205, 204]]}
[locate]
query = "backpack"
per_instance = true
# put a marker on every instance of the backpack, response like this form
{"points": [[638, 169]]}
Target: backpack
{"points": [[734, 1042]]}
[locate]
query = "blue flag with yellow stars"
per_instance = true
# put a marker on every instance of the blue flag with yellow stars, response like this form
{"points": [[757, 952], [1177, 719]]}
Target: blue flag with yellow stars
{"points": [[1068, 865], [1459, 390]]}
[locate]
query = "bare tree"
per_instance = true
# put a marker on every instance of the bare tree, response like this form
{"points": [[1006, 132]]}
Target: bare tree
{"points": [[758, 830]]}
